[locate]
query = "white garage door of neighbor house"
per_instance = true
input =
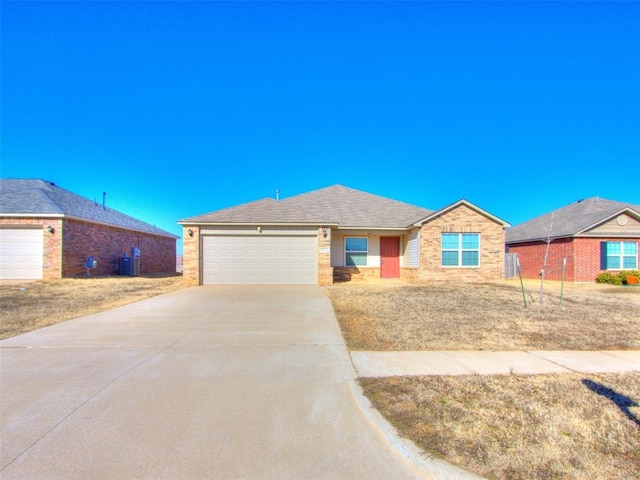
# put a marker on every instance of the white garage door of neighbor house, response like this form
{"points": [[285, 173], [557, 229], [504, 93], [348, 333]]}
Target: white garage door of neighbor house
{"points": [[253, 260], [21, 252]]}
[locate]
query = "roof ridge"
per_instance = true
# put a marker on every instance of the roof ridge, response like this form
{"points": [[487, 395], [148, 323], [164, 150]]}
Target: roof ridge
{"points": [[231, 207], [355, 190], [596, 199], [571, 219], [334, 204], [46, 192], [313, 191], [13, 181], [69, 204]]}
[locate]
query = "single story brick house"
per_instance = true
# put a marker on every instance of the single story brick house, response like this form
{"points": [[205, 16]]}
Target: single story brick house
{"points": [[594, 235], [339, 233], [47, 232]]}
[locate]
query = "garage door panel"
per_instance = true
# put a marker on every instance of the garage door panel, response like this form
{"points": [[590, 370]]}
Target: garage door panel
{"points": [[22, 254], [276, 260]]}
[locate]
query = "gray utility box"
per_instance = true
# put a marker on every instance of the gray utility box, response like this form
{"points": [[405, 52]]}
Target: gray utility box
{"points": [[130, 266]]}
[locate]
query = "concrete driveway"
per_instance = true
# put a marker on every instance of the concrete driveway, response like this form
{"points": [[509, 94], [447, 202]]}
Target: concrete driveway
{"points": [[206, 382]]}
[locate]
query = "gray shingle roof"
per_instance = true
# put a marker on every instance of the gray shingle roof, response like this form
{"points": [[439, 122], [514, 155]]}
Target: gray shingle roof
{"points": [[39, 197], [568, 221], [335, 205]]}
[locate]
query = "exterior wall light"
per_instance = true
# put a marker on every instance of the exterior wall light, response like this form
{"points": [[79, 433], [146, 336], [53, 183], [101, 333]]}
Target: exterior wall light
{"points": [[259, 229], [324, 232], [190, 232], [50, 229]]}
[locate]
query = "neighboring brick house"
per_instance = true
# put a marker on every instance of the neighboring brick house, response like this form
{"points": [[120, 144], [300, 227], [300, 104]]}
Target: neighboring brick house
{"points": [[594, 235], [47, 232], [338, 233]]}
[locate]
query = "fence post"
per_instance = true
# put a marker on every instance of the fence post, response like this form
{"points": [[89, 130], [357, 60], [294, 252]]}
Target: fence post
{"points": [[524, 297], [564, 268]]}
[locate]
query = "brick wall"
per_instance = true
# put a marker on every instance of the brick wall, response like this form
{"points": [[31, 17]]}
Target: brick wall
{"points": [[107, 244], [67, 248], [461, 219], [587, 258], [52, 242], [583, 258], [409, 274], [191, 255], [345, 274], [531, 257], [325, 270], [52, 265]]}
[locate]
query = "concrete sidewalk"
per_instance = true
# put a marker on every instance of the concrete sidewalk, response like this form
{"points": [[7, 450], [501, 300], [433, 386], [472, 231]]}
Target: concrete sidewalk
{"points": [[391, 364]]}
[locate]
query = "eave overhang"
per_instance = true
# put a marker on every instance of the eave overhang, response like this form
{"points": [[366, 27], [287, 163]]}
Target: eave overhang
{"points": [[190, 223], [32, 215], [159, 232]]}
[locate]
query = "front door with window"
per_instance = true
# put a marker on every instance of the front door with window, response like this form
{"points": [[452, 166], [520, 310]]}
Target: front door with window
{"points": [[389, 257]]}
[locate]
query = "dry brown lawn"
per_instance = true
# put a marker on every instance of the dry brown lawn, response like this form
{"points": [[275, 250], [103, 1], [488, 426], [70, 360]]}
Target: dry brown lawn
{"points": [[563, 426], [31, 305], [488, 317]]}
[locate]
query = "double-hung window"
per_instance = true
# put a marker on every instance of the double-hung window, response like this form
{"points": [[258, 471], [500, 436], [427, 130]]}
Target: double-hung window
{"points": [[355, 251], [460, 249], [621, 255]]}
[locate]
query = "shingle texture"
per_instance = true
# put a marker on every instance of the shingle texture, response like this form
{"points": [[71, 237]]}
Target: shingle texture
{"points": [[568, 221], [39, 197], [335, 205]]}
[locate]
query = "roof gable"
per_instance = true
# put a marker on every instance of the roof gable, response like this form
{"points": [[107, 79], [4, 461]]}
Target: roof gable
{"points": [[40, 198], [335, 205], [574, 219], [624, 223], [457, 204]]}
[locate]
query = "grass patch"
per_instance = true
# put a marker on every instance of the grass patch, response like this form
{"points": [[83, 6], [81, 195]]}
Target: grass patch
{"points": [[511, 427], [564, 426], [487, 317], [31, 305]]}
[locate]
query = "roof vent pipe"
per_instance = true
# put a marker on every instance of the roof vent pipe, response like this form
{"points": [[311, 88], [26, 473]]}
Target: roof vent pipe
{"points": [[104, 200], [277, 194]]}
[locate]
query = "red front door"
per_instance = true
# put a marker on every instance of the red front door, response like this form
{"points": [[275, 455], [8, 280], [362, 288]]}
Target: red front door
{"points": [[389, 257]]}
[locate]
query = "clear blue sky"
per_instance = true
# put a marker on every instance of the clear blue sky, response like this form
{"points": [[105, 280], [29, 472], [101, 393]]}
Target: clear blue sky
{"points": [[180, 108]]}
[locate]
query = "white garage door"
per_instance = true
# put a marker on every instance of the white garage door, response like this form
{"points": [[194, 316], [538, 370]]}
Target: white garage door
{"points": [[253, 260], [21, 252]]}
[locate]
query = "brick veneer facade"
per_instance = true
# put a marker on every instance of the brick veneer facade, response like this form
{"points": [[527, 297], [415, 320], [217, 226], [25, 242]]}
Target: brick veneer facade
{"points": [[346, 274], [461, 219], [191, 256], [409, 274], [72, 241], [582, 254], [325, 270], [107, 244], [52, 242]]}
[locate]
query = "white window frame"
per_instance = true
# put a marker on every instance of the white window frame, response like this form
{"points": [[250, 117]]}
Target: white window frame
{"points": [[460, 250], [366, 252], [621, 256]]}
